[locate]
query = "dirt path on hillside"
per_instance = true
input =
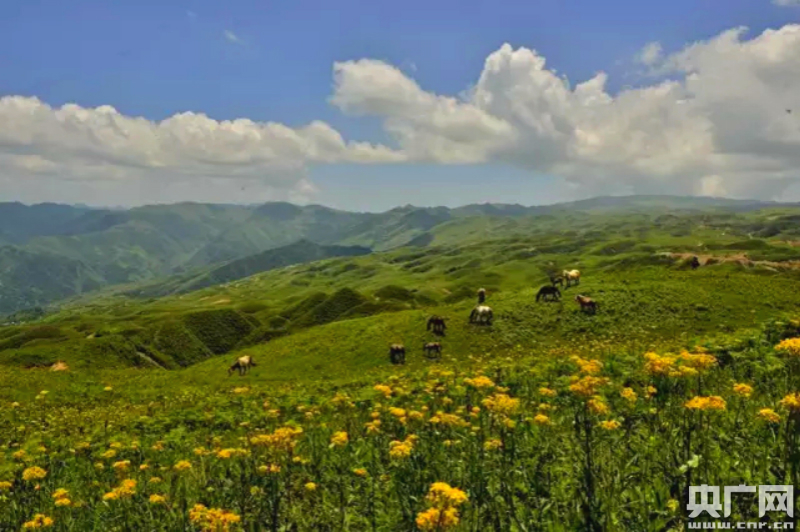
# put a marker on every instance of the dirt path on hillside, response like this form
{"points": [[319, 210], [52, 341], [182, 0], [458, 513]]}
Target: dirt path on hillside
{"points": [[738, 258]]}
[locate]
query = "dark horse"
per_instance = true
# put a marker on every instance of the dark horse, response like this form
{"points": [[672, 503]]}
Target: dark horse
{"points": [[548, 293], [433, 350], [397, 354], [556, 280], [437, 323], [587, 304], [694, 263], [481, 295]]}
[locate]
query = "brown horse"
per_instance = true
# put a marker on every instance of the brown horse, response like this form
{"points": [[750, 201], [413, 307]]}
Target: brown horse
{"points": [[242, 365], [397, 354], [433, 350], [437, 323], [587, 304]]}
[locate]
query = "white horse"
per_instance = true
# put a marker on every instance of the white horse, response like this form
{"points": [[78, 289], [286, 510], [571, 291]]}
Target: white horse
{"points": [[242, 365], [481, 314], [571, 277]]}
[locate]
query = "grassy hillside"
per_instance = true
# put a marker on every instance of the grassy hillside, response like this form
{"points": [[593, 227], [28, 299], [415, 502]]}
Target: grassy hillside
{"points": [[550, 419], [634, 264], [185, 241]]}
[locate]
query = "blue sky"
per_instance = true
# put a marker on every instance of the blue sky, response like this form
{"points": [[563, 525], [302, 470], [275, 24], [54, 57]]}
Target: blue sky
{"points": [[155, 59]]}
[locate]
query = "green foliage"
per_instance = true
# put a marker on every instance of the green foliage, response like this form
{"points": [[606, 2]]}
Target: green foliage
{"points": [[219, 330], [175, 342], [331, 308], [29, 334]]}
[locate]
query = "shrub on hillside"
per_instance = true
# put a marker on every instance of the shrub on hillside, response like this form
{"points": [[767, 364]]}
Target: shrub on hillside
{"points": [[30, 334], [175, 341], [110, 351], [220, 330], [332, 308], [252, 307], [304, 306], [393, 292]]}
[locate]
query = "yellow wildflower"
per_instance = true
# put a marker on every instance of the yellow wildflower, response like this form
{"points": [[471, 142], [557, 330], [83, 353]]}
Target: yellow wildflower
{"points": [[339, 439], [34, 473], [480, 381], [790, 346], [38, 521], [742, 389], [182, 465], [791, 402], [769, 415], [628, 394], [492, 445], [597, 405], [610, 425], [706, 403]]}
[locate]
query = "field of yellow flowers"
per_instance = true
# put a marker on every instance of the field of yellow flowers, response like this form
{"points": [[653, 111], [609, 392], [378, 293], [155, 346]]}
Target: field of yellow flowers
{"points": [[563, 442]]}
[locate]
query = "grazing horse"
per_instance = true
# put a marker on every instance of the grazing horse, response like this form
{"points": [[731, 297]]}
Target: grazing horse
{"points": [[433, 350], [242, 365], [481, 315], [397, 354], [481, 296], [587, 303], [694, 263], [557, 280], [437, 323], [548, 293], [571, 277]]}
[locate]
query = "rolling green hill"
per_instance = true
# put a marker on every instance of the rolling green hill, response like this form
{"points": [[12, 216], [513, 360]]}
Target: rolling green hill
{"points": [[79, 249], [303, 299]]}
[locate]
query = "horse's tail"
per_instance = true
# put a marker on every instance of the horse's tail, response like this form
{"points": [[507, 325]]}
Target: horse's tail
{"points": [[538, 295], [473, 314]]}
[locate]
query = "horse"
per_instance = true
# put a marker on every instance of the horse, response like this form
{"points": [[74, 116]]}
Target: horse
{"points": [[557, 280], [694, 263], [481, 315], [548, 293], [587, 303], [571, 277], [433, 350], [481, 296], [242, 365], [437, 323], [397, 354]]}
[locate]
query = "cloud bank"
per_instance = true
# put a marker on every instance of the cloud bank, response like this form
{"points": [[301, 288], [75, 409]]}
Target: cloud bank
{"points": [[719, 117]]}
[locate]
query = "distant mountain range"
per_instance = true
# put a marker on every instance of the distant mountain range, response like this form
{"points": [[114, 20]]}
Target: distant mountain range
{"points": [[50, 251]]}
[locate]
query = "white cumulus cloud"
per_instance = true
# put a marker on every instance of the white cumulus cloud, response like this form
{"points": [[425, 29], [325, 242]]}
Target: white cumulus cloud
{"points": [[650, 54], [84, 145], [719, 124], [723, 118]]}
